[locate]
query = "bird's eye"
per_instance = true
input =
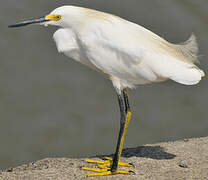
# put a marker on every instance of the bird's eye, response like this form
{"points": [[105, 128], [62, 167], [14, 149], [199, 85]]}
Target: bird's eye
{"points": [[58, 17]]}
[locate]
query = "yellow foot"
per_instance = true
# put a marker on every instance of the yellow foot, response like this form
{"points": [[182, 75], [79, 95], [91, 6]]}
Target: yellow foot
{"points": [[107, 162], [102, 168], [105, 173]]}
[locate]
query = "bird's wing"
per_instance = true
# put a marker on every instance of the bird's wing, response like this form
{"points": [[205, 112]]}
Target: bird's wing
{"points": [[117, 51], [65, 40], [127, 50], [66, 43]]}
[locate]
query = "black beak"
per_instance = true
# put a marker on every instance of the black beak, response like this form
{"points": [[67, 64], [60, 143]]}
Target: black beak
{"points": [[32, 21]]}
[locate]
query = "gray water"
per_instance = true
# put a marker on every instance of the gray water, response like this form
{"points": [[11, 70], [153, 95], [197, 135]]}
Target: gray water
{"points": [[51, 106]]}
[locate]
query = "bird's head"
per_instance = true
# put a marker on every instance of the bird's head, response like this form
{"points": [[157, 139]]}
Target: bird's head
{"points": [[59, 17]]}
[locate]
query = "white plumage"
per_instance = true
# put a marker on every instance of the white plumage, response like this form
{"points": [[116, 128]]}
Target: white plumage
{"points": [[125, 52]]}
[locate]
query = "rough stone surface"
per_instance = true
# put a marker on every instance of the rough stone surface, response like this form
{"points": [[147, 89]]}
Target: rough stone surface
{"points": [[184, 160]]}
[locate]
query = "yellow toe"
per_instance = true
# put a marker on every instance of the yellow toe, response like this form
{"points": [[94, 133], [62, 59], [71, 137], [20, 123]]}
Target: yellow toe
{"points": [[103, 168], [107, 161], [106, 173], [94, 169]]}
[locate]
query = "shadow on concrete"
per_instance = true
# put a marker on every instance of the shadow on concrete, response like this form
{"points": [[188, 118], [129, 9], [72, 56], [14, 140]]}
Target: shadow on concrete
{"points": [[153, 152]]}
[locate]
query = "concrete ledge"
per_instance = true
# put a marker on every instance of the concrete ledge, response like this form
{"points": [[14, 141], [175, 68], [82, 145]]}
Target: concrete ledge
{"points": [[185, 159]]}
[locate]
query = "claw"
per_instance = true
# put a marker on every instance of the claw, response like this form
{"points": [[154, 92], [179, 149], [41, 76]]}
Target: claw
{"points": [[131, 164], [132, 172]]}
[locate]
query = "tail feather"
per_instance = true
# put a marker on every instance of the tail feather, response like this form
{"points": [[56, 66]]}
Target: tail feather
{"points": [[189, 49], [188, 76], [179, 71]]}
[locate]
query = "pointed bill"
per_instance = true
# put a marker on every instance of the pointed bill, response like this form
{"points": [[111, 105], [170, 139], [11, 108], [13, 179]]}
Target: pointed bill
{"points": [[31, 21], [50, 17]]}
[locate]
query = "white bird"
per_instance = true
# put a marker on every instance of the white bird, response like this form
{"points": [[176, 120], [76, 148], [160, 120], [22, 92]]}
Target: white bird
{"points": [[126, 53]]}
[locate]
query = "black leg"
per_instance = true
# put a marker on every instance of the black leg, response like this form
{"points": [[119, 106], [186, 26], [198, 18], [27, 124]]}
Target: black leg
{"points": [[103, 169], [126, 100], [124, 121]]}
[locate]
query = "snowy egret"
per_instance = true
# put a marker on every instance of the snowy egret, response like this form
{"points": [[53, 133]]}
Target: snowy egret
{"points": [[126, 53]]}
